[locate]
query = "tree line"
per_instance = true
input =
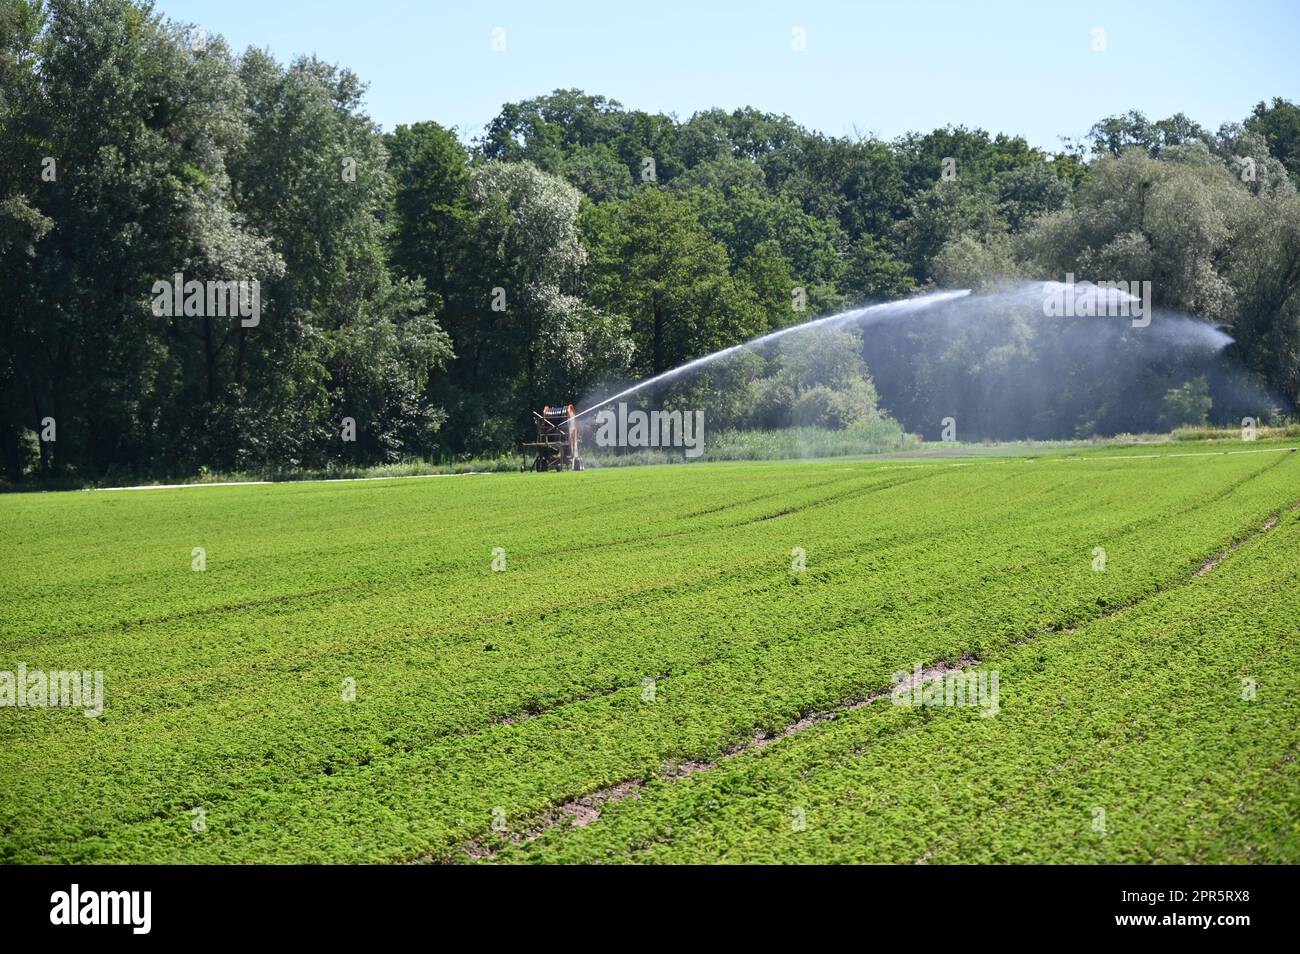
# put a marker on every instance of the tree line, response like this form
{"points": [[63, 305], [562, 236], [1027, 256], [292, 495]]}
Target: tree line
{"points": [[420, 296]]}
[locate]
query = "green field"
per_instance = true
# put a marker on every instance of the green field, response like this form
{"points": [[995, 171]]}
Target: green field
{"points": [[650, 678]]}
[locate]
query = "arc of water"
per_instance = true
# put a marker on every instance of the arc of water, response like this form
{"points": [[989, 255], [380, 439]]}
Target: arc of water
{"points": [[855, 316]]}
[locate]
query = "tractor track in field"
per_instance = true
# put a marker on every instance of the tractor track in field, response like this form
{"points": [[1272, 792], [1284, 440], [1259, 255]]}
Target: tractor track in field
{"points": [[355, 586], [1222, 555], [1205, 568], [835, 498], [583, 810], [929, 674], [258, 602], [733, 504], [526, 714]]}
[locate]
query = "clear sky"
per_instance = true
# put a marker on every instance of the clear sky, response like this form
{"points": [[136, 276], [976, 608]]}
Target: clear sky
{"points": [[882, 67]]}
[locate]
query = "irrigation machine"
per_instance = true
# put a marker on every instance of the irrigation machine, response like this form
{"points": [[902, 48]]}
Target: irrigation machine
{"points": [[556, 447]]}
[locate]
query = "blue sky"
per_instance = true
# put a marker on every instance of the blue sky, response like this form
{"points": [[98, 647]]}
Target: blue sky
{"points": [[886, 68]]}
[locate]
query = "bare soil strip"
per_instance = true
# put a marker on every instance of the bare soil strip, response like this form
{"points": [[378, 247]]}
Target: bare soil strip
{"points": [[1219, 557], [582, 811]]}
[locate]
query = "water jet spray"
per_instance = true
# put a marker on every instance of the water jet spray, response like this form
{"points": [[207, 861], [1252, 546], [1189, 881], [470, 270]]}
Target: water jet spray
{"points": [[854, 316]]}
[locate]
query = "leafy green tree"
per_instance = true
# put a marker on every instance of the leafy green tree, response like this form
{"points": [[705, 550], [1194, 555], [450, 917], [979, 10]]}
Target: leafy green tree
{"points": [[1263, 265], [136, 127], [745, 217], [747, 134], [942, 213], [22, 224], [859, 183], [976, 156], [381, 367], [585, 139], [1116, 134], [976, 262], [1279, 124], [314, 175], [875, 274], [527, 339], [430, 171], [1187, 404], [1244, 152], [146, 151], [654, 263], [1028, 191], [1144, 219]]}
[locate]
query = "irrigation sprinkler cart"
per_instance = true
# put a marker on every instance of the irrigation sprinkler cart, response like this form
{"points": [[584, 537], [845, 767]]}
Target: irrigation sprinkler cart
{"points": [[556, 446]]}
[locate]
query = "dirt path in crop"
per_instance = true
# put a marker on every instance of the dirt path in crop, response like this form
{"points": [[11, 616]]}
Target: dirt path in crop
{"points": [[583, 810]]}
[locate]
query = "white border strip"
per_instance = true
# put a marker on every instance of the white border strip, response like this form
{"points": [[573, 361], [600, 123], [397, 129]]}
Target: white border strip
{"points": [[268, 483], [1262, 450]]}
